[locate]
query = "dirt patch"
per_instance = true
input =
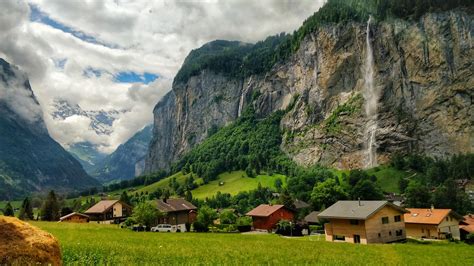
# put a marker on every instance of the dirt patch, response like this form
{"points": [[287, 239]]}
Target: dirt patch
{"points": [[21, 243]]}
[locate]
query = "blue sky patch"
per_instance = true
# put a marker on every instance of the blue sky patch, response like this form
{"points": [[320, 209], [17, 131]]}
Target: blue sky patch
{"points": [[39, 16], [132, 77], [92, 72]]}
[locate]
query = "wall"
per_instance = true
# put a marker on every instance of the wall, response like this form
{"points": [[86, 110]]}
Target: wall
{"points": [[374, 226], [118, 209], [343, 227], [268, 223]]}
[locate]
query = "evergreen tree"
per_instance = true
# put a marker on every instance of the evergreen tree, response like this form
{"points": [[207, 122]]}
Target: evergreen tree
{"points": [[8, 210], [286, 199], [188, 196], [50, 210], [125, 198], [26, 211]]}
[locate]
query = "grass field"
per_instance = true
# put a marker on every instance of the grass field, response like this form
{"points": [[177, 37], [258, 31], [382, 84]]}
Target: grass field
{"points": [[233, 183], [93, 244]]}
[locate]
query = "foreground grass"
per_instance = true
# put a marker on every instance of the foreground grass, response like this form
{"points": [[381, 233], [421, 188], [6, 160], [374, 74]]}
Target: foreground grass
{"points": [[92, 244]]}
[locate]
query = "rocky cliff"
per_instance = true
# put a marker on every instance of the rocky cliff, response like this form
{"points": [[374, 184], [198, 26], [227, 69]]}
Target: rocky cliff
{"points": [[30, 160], [423, 71]]}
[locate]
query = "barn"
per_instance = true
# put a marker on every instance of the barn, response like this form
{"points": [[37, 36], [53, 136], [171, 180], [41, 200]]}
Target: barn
{"points": [[266, 217]]}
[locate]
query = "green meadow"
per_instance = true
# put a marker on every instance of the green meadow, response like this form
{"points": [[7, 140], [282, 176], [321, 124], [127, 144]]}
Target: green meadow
{"points": [[93, 244]]}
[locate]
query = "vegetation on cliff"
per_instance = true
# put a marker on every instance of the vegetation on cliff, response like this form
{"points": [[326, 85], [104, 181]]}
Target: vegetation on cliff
{"points": [[238, 60]]}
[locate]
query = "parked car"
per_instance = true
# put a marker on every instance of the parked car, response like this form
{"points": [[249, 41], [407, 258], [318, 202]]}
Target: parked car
{"points": [[164, 228]]}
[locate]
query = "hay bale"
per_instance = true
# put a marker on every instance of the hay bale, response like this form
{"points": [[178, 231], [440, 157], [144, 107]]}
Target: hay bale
{"points": [[21, 243]]}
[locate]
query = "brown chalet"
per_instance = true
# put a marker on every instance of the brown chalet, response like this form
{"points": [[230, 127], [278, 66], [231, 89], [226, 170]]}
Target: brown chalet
{"points": [[107, 210], [266, 217], [466, 227], [432, 223], [75, 217], [364, 222], [177, 211]]}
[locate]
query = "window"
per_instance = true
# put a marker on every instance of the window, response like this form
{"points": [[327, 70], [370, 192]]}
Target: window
{"points": [[380, 235], [447, 219], [354, 222], [385, 220], [343, 238], [397, 218], [399, 232], [390, 233]]}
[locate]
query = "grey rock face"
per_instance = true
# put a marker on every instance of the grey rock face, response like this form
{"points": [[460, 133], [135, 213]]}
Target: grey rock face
{"points": [[424, 70]]}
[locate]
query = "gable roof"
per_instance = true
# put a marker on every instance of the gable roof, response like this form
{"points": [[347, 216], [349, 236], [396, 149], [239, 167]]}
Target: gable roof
{"points": [[264, 210], [175, 205], [102, 206], [353, 209], [72, 214], [312, 217], [428, 216], [299, 204], [468, 219]]}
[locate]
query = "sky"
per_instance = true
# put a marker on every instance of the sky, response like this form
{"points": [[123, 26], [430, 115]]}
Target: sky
{"points": [[123, 54]]}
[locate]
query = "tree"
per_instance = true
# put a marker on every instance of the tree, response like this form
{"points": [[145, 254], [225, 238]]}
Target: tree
{"points": [[26, 211], [125, 198], [327, 193], [286, 199], [8, 211], [145, 214], [278, 184], [418, 195], [367, 190], [188, 196], [50, 209], [206, 216], [228, 217]]}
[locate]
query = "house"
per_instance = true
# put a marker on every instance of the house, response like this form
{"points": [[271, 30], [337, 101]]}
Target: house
{"points": [[108, 210], [266, 217], [177, 211], [300, 205], [75, 217], [432, 223], [364, 222], [466, 226], [312, 218]]}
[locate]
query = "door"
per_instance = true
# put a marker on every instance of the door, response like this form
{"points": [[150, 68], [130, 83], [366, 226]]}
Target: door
{"points": [[357, 239], [428, 233]]}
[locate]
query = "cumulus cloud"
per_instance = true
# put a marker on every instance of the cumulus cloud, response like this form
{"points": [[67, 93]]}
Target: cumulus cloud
{"points": [[124, 36]]}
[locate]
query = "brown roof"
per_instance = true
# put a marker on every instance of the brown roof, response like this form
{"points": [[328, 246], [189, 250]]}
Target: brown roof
{"points": [[72, 214], [299, 204], [312, 217], [264, 210], [468, 219], [175, 205], [428, 216], [102, 206], [467, 228]]}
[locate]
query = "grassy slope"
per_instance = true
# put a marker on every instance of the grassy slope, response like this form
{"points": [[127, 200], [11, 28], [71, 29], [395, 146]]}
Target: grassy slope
{"points": [[95, 244], [235, 182]]}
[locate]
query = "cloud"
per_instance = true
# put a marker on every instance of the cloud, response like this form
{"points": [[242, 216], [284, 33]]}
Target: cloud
{"points": [[76, 50]]}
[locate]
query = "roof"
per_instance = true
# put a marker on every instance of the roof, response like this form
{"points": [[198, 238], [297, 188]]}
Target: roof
{"points": [[360, 210], [299, 204], [175, 205], [72, 214], [312, 217], [101, 206], [428, 215], [468, 219], [467, 228], [264, 210]]}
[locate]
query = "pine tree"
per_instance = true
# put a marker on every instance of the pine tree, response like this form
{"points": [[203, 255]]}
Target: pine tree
{"points": [[50, 210], [188, 196], [8, 210], [26, 211], [125, 198]]}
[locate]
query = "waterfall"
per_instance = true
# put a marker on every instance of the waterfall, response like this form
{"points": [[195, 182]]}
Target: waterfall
{"points": [[242, 97], [371, 97]]}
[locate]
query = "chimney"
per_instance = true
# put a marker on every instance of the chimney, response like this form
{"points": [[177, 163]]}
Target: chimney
{"points": [[359, 202]]}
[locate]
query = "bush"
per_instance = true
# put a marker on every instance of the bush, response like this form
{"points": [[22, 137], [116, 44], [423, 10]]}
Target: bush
{"points": [[200, 227], [470, 238], [244, 221]]}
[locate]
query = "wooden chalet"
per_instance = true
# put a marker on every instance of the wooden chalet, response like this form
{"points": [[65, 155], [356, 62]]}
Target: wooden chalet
{"points": [[75, 217], [109, 210], [364, 222], [266, 217], [177, 211], [432, 223]]}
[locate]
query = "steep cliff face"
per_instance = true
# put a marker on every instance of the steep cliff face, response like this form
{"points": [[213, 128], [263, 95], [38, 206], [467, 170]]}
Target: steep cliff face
{"points": [[30, 160], [423, 70]]}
